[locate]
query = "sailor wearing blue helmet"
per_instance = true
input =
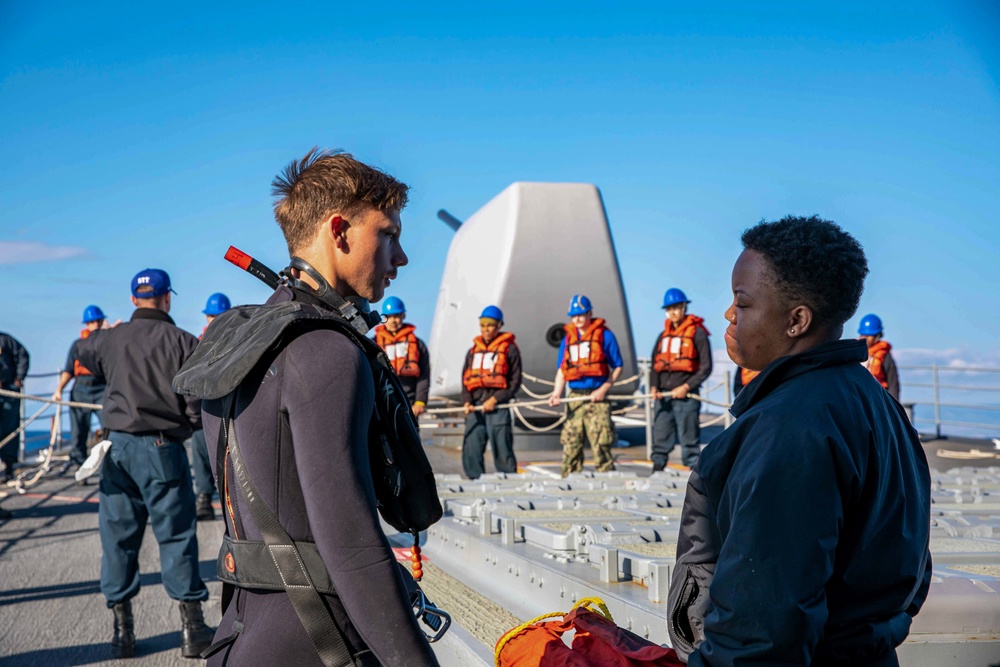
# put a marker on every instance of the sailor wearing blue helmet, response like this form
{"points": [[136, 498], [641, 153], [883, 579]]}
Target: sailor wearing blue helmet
{"points": [[590, 362], [491, 376], [880, 362], [407, 353], [87, 388], [682, 361]]}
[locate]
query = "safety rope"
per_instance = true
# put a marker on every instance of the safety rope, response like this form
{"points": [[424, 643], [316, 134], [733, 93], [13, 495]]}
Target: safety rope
{"points": [[538, 429], [568, 399], [51, 401], [552, 384], [26, 479], [23, 426]]}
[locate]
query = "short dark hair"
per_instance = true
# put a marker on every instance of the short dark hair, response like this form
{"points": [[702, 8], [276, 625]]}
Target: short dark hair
{"points": [[148, 301], [325, 181], [813, 261]]}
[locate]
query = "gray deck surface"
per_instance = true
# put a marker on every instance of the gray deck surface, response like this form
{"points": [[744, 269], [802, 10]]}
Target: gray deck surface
{"points": [[51, 608]]}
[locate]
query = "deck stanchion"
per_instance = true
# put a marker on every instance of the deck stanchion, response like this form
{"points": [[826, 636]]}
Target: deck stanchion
{"points": [[937, 401], [20, 436], [729, 398], [648, 372]]}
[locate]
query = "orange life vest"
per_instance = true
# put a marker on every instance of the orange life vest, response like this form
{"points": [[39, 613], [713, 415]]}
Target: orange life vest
{"points": [[876, 358], [401, 348], [78, 368], [585, 352], [746, 375], [675, 349], [489, 365]]}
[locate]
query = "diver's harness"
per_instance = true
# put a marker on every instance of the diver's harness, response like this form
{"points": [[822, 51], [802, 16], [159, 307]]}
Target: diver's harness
{"points": [[404, 483]]}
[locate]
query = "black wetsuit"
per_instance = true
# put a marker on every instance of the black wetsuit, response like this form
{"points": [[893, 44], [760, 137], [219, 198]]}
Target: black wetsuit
{"points": [[302, 424]]}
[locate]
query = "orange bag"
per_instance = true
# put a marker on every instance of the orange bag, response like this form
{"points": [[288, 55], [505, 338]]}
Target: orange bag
{"points": [[598, 642]]}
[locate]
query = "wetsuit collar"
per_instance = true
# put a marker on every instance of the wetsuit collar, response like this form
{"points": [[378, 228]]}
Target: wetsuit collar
{"points": [[151, 314]]}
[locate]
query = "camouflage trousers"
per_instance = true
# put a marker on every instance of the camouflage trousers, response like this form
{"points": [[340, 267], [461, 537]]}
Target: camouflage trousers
{"points": [[587, 421]]}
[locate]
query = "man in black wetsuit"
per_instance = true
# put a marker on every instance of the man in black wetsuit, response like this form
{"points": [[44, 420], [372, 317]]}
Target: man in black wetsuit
{"points": [[302, 419]]}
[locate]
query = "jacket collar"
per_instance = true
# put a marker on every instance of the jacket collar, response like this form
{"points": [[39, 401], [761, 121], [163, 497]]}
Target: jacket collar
{"points": [[150, 314], [834, 353]]}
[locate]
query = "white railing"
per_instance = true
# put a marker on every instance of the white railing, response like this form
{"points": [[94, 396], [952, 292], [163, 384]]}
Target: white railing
{"points": [[959, 397]]}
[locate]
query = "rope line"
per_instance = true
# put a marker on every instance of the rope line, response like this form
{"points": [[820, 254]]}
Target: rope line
{"points": [[538, 429], [51, 401], [24, 425], [627, 380]]}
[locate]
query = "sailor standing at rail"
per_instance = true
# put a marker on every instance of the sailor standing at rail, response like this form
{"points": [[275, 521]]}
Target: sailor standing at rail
{"points": [[145, 474], [491, 376], [86, 389], [204, 483], [13, 369], [590, 362], [682, 360], [407, 353], [880, 362]]}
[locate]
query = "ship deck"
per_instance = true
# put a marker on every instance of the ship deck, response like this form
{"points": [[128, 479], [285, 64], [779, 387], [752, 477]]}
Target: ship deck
{"points": [[54, 614]]}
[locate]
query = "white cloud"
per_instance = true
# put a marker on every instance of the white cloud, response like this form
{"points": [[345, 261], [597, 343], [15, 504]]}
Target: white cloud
{"points": [[952, 358], [27, 252]]}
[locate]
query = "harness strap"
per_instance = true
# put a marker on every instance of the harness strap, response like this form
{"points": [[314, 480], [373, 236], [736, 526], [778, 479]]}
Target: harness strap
{"points": [[323, 632], [222, 643]]}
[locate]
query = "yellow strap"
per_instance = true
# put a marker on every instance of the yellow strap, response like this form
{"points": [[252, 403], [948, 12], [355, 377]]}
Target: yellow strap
{"points": [[589, 603]]}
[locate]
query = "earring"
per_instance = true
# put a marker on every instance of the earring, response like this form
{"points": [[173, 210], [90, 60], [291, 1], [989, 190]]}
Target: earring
{"points": [[792, 332]]}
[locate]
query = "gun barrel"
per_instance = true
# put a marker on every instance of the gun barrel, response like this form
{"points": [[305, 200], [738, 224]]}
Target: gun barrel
{"points": [[450, 220]]}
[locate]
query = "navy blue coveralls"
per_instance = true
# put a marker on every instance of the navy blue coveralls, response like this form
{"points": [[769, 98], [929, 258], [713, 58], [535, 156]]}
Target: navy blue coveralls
{"points": [[145, 474], [676, 419], [804, 533], [13, 366], [496, 427], [86, 389]]}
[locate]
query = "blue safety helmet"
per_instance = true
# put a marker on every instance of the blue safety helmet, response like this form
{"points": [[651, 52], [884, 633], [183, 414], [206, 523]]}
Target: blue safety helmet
{"points": [[92, 314], [493, 313], [393, 306], [673, 297], [871, 325], [217, 304], [579, 305]]}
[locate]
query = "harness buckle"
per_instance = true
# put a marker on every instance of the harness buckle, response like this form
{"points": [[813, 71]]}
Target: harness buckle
{"points": [[438, 620]]}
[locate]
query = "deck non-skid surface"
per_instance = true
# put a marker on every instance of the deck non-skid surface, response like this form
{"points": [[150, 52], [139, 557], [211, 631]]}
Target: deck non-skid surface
{"points": [[52, 611]]}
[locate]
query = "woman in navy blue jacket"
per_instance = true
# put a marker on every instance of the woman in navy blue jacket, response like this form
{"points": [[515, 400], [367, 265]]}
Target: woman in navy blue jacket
{"points": [[804, 534]]}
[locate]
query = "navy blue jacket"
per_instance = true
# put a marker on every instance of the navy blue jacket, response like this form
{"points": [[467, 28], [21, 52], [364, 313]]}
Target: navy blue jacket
{"points": [[138, 360], [804, 534], [13, 361]]}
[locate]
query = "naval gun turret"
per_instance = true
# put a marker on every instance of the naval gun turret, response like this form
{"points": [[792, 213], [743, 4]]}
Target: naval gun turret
{"points": [[528, 250]]}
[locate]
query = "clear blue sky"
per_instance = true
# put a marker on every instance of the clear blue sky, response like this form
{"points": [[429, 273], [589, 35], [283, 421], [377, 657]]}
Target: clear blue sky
{"points": [[137, 136]]}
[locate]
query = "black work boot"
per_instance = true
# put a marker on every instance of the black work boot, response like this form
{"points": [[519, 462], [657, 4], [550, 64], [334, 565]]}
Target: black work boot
{"points": [[123, 643], [195, 635], [204, 507]]}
